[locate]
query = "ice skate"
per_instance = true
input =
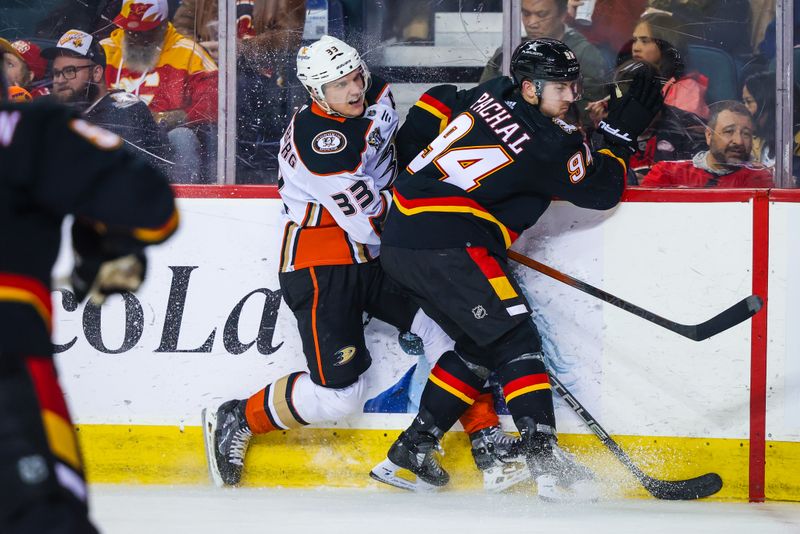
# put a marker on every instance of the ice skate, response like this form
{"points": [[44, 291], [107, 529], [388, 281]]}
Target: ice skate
{"points": [[227, 436], [558, 475], [413, 463], [500, 458]]}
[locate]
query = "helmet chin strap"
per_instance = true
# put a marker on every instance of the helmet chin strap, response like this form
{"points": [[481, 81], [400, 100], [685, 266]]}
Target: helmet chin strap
{"points": [[327, 107]]}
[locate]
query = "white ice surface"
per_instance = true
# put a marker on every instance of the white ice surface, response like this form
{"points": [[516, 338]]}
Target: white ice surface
{"points": [[200, 510]]}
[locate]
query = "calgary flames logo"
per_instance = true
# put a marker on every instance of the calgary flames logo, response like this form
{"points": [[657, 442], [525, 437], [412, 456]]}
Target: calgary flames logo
{"points": [[21, 46], [138, 10]]}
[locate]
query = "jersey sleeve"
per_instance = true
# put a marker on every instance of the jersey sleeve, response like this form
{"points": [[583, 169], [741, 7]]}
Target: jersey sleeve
{"points": [[588, 179], [88, 173]]}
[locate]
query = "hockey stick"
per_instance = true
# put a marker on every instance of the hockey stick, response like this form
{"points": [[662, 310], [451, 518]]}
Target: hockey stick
{"points": [[672, 490], [739, 312]]}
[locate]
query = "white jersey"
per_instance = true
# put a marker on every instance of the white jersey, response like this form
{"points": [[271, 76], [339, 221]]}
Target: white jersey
{"points": [[334, 181]]}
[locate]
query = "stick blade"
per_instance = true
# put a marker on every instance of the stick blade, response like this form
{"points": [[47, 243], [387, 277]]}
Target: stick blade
{"points": [[738, 313], [684, 490]]}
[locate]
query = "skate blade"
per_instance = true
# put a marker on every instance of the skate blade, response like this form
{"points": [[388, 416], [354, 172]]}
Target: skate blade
{"points": [[502, 476], [392, 474], [209, 421], [583, 491]]}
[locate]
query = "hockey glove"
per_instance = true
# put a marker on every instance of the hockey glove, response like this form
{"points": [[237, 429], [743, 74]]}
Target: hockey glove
{"points": [[631, 113], [104, 265]]}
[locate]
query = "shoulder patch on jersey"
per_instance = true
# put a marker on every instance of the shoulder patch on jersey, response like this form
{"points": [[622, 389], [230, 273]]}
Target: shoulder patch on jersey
{"points": [[569, 128], [99, 137], [123, 99], [329, 142], [375, 138]]}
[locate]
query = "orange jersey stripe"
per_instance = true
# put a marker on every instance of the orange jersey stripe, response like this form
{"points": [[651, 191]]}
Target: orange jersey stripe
{"points": [[314, 323], [256, 415]]}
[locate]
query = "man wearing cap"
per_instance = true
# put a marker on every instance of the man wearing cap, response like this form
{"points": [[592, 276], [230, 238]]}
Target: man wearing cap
{"points": [[24, 66], [175, 77], [79, 64]]}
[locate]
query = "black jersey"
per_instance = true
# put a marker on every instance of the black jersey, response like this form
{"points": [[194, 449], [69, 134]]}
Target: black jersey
{"points": [[53, 163], [128, 116], [492, 169]]}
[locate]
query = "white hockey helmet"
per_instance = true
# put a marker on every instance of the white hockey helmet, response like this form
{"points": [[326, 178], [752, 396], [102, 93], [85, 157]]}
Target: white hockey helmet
{"points": [[325, 61]]}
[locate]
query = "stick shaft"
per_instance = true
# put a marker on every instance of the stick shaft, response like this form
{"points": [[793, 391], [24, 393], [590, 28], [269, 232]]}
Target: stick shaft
{"points": [[739, 312]]}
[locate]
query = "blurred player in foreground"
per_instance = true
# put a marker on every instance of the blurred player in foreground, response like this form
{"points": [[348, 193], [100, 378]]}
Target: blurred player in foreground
{"points": [[502, 153], [121, 205], [337, 165]]}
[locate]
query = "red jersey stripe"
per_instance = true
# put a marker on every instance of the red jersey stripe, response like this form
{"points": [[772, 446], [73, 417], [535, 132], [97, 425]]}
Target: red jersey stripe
{"points": [[523, 382], [454, 382]]}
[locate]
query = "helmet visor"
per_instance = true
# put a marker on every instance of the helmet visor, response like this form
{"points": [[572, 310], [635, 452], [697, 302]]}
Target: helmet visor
{"points": [[565, 91]]}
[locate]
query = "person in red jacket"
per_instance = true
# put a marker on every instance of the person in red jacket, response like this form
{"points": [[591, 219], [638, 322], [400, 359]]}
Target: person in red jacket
{"points": [[175, 77], [726, 163]]}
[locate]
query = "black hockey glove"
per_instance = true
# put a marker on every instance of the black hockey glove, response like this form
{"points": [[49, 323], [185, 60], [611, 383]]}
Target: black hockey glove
{"points": [[103, 264], [631, 113]]}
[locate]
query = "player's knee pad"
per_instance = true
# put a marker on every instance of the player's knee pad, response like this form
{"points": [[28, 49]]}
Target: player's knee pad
{"points": [[317, 404], [521, 365], [434, 340], [522, 339], [456, 365]]}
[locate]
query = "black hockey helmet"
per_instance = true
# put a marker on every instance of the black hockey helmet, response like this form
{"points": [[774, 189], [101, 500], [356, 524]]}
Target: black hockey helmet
{"points": [[542, 60]]}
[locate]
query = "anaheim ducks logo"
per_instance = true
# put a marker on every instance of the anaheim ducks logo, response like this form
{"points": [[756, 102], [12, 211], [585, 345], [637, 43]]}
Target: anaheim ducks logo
{"points": [[329, 142], [344, 355]]}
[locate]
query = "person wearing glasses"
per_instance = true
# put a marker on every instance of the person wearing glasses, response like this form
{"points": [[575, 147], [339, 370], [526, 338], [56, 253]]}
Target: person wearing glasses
{"points": [[79, 65]]}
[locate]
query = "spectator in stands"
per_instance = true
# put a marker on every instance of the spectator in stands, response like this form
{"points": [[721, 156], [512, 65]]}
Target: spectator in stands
{"points": [[546, 18], [79, 65], [660, 39], [726, 163], [24, 66], [175, 77], [268, 37], [612, 22], [267, 29], [723, 24], [758, 95], [673, 135]]}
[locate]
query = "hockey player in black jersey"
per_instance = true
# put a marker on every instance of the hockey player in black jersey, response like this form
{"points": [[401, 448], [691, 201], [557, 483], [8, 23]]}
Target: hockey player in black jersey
{"points": [[121, 205], [501, 153], [337, 164]]}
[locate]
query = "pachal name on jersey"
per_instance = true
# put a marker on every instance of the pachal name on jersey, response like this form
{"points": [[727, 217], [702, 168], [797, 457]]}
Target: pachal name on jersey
{"points": [[496, 116]]}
